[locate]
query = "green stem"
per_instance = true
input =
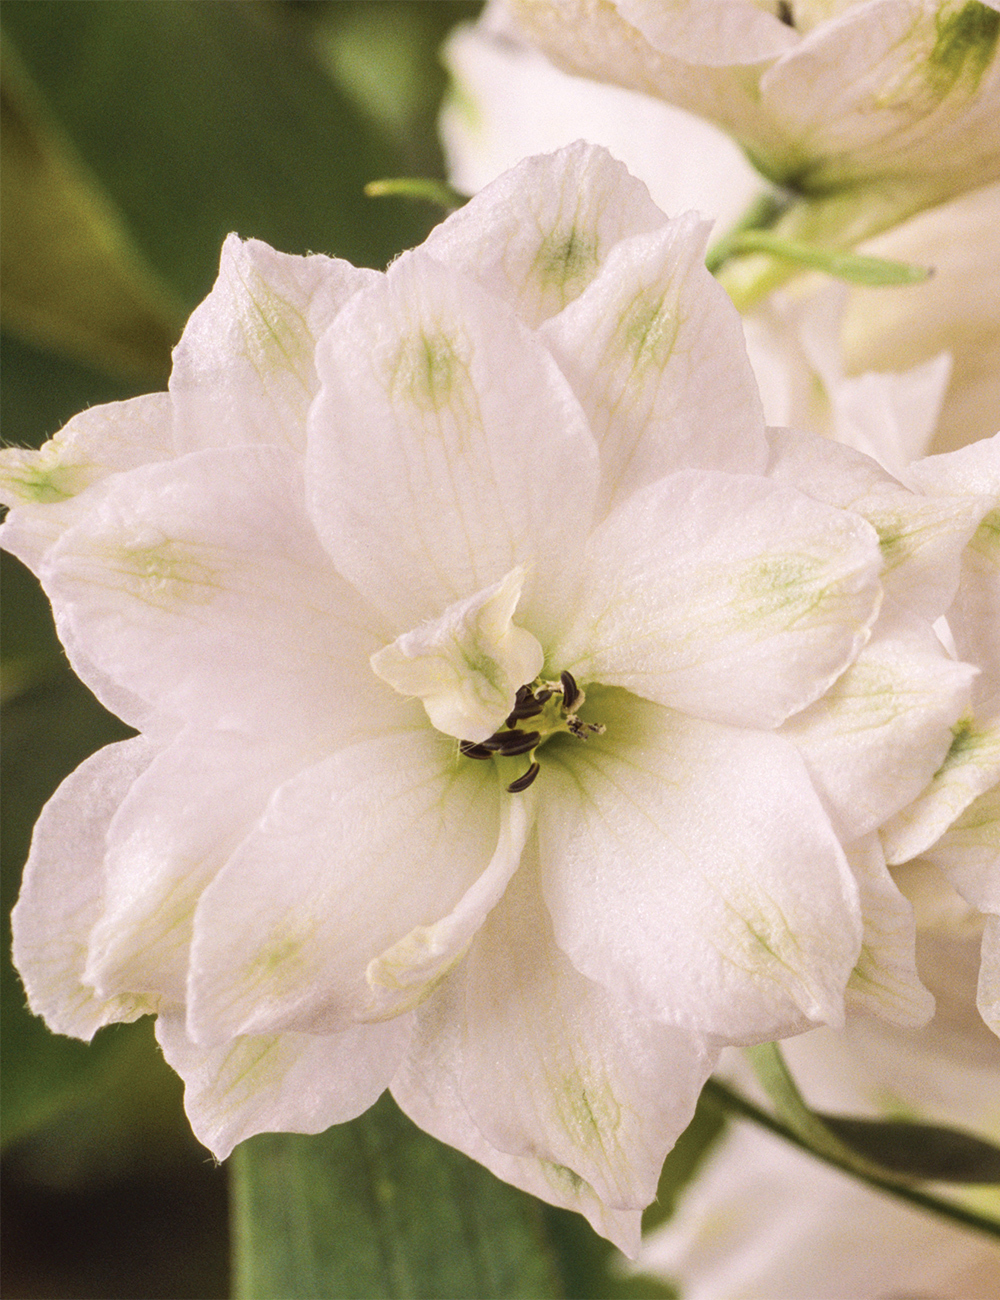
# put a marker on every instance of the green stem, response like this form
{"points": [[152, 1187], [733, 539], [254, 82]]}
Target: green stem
{"points": [[424, 188], [734, 1103]]}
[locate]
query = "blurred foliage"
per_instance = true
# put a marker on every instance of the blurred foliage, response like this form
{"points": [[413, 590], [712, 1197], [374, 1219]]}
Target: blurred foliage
{"points": [[136, 136]]}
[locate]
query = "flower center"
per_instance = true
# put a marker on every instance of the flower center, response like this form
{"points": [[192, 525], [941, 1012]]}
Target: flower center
{"points": [[551, 707]]}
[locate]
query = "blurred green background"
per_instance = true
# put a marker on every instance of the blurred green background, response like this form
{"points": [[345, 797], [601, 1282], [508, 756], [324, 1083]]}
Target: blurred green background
{"points": [[136, 135]]}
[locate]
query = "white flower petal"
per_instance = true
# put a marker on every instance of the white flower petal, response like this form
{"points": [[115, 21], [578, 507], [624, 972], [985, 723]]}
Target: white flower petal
{"points": [[467, 665], [349, 857], [556, 1068], [691, 870], [537, 237], [403, 975], [199, 585], [62, 895], [654, 350], [285, 1083], [174, 830], [971, 767], [885, 980], [244, 369], [725, 596], [445, 392], [882, 730], [923, 536], [427, 1087]]}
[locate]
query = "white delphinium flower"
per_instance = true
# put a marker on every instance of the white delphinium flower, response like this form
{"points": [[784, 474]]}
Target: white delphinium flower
{"points": [[895, 101], [479, 660]]}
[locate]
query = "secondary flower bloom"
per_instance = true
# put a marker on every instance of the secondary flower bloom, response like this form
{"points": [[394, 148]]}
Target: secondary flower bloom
{"points": [[899, 97], [871, 368], [493, 672]]}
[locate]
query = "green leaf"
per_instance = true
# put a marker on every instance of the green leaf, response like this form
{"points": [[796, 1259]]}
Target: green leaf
{"points": [[73, 279], [919, 1150], [376, 1208]]}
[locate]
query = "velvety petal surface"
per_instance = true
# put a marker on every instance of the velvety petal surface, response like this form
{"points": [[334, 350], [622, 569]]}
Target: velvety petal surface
{"points": [[174, 830], [882, 730], [555, 1067], [725, 596], [282, 1083], [691, 870], [199, 585], [654, 351], [244, 369], [442, 389], [539, 234], [63, 895], [428, 1088], [885, 981], [350, 856]]}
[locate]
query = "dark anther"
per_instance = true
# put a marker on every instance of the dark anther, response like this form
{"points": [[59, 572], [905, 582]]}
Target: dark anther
{"points": [[785, 13], [570, 690], [529, 709], [512, 743], [543, 695], [469, 749], [524, 781]]}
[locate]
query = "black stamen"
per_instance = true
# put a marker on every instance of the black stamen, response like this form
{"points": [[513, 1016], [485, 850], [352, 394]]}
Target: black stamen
{"points": [[570, 690], [530, 709], [469, 749], [513, 743], [524, 781], [785, 13], [543, 695]]}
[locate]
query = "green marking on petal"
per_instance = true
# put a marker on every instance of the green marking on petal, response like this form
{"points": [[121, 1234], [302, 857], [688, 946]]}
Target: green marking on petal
{"points": [[785, 584], [588, 1109], [986, 539], [165, 574], [965, 45], [647, 329], [431, 371], [564, 259], [562, 1178], [276, 334], [37, 477]]}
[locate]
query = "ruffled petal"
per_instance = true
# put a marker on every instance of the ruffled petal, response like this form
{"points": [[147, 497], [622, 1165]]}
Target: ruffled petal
{"points": [[63, 896], [725, 596], [691, 870], [427, 1088], [654, 351], [882, 730], [283, 1083], [349, 857], [244, 369], [426, 476], [174, 830], [554, 1067], [885, 980], [199, 585], [539, 234]]}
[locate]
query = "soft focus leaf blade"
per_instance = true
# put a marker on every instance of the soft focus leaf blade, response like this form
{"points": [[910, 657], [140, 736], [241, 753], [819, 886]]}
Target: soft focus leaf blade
{"points": [[919, 1150], [73, 279], [377, 1208]]}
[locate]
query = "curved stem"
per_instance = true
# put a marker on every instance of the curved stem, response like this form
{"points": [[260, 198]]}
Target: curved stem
{"points": [[735, 1103]]}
